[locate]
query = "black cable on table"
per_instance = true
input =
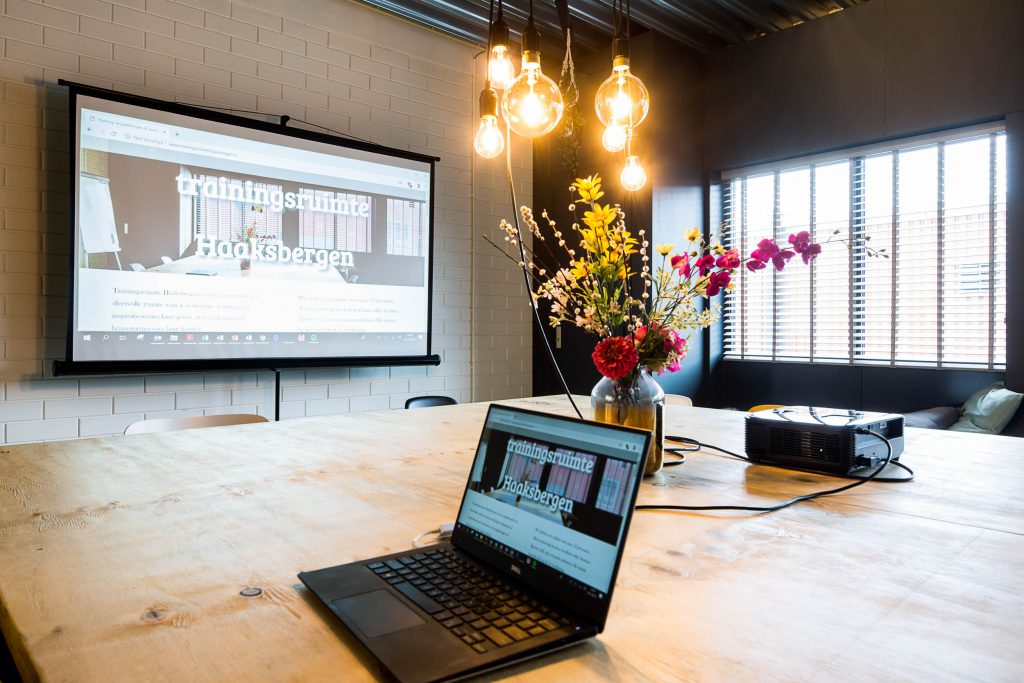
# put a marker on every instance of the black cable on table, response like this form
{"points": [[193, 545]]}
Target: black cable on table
{"points": [[792, 501]]}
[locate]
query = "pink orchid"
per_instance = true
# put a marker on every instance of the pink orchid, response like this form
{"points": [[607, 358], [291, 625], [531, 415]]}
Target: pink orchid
{"points": [[704, 264], [810, 252], [729, 260], [766, 251], [674, 342], [718, 281], [800, 241], [682, 264], [802, 245], [781, 258]]}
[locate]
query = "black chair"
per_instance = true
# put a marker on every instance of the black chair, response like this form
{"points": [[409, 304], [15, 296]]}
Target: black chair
{"points": [[430, 401], [8, 671]]}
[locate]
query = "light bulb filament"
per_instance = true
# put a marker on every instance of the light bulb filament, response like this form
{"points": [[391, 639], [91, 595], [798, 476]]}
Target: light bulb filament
{"points": [[500, 69]]}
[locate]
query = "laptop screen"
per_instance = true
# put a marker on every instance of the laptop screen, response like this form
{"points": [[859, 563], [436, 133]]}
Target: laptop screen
{"points": [[549, 499]]}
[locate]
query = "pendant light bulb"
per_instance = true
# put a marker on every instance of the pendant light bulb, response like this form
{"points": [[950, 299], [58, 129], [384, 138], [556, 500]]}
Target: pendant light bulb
{"points": [[622, 99], [614, 138], [633, 176], [500, 69], [532, 103], [489, 141]]}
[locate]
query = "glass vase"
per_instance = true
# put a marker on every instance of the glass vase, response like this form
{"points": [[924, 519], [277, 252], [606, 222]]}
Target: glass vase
{"points": [[635, 400]]}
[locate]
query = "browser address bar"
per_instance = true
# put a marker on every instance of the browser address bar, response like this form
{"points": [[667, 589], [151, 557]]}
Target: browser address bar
{"points": [[512, 421], [105, 126]]}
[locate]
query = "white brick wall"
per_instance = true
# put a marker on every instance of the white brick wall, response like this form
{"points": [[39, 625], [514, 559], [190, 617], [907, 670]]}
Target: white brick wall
{"points": [[334, 63]]}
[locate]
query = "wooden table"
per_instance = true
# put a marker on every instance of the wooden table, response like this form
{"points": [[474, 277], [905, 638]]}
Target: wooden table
{"points": [[123, 557]]}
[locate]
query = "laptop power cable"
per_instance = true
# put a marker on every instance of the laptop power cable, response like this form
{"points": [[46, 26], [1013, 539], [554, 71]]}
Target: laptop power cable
{"points": [[691, 445], [443, 533]]}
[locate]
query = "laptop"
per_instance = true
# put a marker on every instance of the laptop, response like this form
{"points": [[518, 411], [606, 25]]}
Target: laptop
{"points": [[531, 562]]}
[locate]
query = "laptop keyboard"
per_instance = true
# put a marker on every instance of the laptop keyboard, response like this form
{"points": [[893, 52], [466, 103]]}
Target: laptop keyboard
{"points": [[477, 607]]}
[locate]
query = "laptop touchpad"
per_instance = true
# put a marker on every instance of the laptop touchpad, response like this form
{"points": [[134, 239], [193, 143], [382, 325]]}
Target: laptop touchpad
{"points": [[377, 613]]}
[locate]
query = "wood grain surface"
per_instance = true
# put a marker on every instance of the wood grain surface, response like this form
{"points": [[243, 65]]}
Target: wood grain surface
{"points": [[122, 558]]}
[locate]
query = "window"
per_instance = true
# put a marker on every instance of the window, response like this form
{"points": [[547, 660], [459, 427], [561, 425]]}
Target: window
{"points": [[407, 222], [228, 219], [936, 206], [343, 231]]}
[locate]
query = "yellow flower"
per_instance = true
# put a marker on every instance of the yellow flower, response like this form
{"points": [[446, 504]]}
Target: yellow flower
{"points": [[589, 188], [601, 216], [693, 235], [624, 238], [589, 239], [579, 269], [610, 258], [718, 249], [664, 249]]}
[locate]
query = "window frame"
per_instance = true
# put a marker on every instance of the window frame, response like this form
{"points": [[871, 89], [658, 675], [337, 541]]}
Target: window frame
{"points": [[736, 345]]}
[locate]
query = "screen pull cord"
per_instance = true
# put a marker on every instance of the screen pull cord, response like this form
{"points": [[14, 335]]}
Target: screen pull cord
{"points": [[792, 501], [524, 266], [277, 394]]}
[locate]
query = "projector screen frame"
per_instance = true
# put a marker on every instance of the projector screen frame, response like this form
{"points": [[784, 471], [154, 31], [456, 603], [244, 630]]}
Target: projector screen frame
{"points": [[71, 366]]}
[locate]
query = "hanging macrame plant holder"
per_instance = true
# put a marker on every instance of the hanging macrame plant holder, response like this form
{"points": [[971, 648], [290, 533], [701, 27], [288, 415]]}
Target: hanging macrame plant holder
{"points": [[572, 118]]}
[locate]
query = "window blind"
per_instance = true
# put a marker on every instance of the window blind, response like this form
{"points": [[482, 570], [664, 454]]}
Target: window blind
{"points": [[323, 230], [406, 227], [936, 206], [227, 220]]}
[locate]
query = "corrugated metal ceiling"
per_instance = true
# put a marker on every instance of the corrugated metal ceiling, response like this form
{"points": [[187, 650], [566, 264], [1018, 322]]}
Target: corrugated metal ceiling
{"points": [[704, 25]]}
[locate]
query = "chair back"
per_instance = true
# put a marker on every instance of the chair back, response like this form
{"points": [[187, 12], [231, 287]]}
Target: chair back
{"points": [[429, 401], [168, 424], [678, 400]]}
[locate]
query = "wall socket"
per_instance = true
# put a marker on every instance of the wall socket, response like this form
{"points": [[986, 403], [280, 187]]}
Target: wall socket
{"points": [[558, 337]]}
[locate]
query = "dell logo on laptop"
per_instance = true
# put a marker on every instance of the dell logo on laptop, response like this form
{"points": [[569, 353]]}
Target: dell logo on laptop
{"points": [[516, 569]]}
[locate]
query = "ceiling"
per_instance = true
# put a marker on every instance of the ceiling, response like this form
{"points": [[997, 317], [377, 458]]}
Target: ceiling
{"points": [[704, 25]]}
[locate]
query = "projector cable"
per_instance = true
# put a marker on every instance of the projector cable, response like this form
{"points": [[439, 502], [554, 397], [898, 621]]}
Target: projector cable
{"points": [[691, 445], [792, 501]]}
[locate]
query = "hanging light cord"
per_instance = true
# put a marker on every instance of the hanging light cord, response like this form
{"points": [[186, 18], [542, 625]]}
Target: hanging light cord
{"points": [[526, 271], [490, 30]]}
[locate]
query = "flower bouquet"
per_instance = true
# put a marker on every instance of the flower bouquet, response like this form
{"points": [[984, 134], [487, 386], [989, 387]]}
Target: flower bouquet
{"points": [[250, 235], [641, 317]]}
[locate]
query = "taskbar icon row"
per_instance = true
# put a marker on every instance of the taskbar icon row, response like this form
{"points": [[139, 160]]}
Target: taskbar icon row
{"points": [[241, 337], [200, 338]]}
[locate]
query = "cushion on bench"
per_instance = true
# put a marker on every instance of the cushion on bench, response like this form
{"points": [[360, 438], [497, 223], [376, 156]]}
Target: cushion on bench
{"points": [[988, 410]]}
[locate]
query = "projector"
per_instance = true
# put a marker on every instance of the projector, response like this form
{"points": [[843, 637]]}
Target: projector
{"points": [[821, 439]]}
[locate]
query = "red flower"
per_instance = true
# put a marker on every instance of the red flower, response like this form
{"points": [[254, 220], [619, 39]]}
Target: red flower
{"points": [[615, 357], [641, 333], [754, 264], [729, 260], [718, 281]]}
